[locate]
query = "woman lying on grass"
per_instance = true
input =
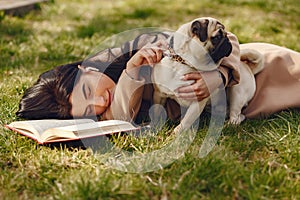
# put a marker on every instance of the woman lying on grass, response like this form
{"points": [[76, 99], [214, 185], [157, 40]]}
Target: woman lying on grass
{"points": [[103, 84]]}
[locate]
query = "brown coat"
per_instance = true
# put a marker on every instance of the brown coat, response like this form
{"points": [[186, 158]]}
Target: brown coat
{"points": [[278, 85]]}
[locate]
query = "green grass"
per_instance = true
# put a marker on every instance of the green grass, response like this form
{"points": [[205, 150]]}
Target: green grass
{"points": [[259, 159]]}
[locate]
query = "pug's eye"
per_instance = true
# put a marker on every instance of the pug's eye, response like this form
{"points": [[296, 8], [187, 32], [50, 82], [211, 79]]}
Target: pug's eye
{"points": [[216, 39]]}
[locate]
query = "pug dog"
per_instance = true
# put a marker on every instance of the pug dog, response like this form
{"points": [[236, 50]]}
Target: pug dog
{"points": [[198, 45], [252, 62]]}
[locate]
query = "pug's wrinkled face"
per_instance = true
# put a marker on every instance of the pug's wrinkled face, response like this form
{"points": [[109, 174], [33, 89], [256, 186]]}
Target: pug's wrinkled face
{"points": [[202, 36]]}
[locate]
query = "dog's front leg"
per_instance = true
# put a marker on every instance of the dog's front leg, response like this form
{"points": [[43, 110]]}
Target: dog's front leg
{"points": [[158, 114], [158, 99], [237, 102], [194, 111]]}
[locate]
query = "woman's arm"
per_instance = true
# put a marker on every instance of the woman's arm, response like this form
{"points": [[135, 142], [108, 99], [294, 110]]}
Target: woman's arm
{"points": [[229, 66], [112, 61], [129, 90], [127, 98]]}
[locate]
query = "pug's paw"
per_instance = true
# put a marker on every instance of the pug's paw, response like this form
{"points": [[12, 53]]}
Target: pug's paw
{"points": [[237, 119]]}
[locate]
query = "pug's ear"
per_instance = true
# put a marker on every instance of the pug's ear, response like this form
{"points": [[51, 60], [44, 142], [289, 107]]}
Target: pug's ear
{"points": [[221, 25], [199, 28]]}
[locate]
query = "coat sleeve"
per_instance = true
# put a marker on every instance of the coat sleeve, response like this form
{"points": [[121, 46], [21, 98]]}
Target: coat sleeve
{"points": [[129, 92], [127, 98], [229, 66], [112, 61]]}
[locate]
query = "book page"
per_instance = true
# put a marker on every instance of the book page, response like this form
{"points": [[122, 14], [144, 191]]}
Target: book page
{"points": [[93, 125], [88, 130], [37, 127]]}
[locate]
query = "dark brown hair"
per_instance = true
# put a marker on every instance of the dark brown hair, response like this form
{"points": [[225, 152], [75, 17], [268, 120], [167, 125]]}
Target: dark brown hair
{"points": [[49, 96]]}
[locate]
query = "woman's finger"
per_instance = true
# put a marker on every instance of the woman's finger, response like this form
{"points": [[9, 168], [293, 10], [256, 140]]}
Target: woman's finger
{"points": [[148, 55], [159, 54], [187, 95], [198, 94], [192, 76], [161, 44], [185, 89], [152, 55]]}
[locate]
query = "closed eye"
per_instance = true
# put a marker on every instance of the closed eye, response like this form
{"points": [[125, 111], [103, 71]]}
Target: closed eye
{"points": [[86, 91], [88, 111]]}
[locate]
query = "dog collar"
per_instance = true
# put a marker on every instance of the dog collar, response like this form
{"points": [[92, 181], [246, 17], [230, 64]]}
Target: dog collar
{"points": [[175, 57]]}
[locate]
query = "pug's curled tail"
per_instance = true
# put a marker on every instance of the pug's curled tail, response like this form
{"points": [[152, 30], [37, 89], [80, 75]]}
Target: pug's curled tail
{"points": [[253, 59]]}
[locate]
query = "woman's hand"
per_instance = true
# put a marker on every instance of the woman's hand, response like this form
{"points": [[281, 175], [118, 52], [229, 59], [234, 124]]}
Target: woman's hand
{"points": [[148, 55], [205, 83]]}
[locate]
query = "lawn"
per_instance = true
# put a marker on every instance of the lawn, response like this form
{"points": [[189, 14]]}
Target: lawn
{"points": [[260, 159]]}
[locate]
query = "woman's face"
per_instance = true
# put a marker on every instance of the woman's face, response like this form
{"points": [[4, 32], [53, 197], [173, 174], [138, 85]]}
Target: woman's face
{"points": [[92, 94]]}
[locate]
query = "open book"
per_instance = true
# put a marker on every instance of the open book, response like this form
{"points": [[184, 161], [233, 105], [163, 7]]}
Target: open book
{"points": [[54, 130]]}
